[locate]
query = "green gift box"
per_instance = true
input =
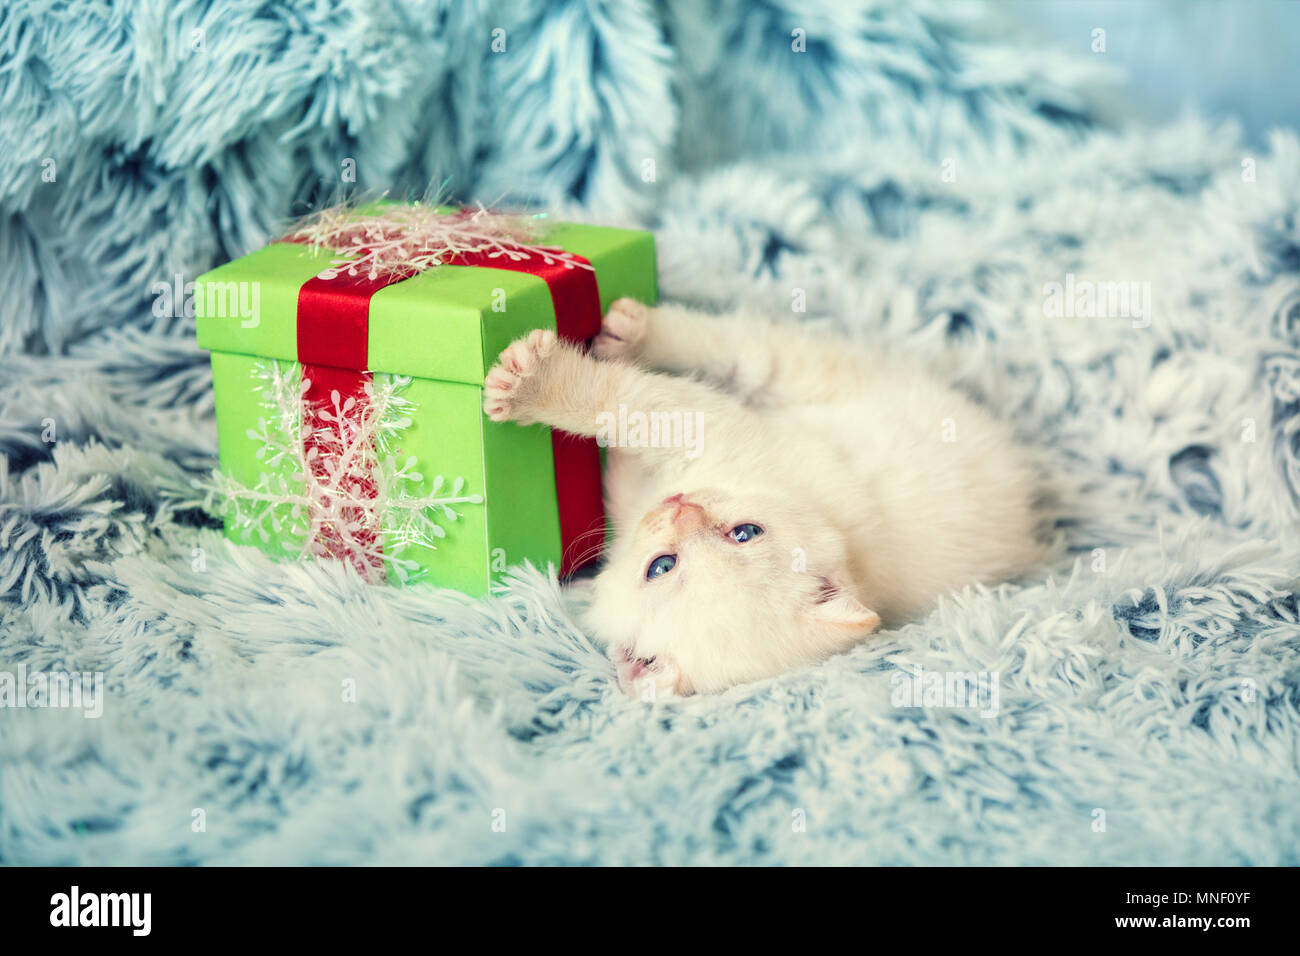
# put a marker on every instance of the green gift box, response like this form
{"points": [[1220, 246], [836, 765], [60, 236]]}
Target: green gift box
{"points": [[349, 392]]}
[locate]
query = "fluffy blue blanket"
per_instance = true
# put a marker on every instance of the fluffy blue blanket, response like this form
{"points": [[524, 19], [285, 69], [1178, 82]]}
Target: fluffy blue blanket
{"points": [[910, 173]]}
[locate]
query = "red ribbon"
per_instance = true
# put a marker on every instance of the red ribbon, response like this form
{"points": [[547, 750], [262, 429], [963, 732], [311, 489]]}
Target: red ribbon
{"points": [[333, 334], [576, 299], [333, 331]]}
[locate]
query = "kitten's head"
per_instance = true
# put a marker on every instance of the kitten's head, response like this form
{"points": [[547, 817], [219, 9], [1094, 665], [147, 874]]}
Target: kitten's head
{"points": [[712, 589]]}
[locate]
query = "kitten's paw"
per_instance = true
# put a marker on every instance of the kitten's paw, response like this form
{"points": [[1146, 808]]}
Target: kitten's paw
{"points": [[623, 330], [508, 386]]}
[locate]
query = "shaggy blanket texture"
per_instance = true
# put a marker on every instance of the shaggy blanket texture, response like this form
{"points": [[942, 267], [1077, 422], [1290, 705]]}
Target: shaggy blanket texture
{"points": [[916, 177]]}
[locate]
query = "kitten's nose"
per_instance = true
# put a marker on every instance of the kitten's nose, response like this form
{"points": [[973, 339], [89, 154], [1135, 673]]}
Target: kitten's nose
{"points": [[689, 518]]}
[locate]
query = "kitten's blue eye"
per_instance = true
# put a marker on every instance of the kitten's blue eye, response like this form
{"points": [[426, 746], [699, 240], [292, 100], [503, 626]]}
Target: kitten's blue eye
{"points": [[743, 532], [660, 566]]}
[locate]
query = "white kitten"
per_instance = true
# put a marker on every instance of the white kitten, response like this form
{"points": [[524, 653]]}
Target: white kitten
{"points": [[828, 490]]}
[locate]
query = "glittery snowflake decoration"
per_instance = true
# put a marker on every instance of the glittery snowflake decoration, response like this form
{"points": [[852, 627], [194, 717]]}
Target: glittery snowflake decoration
{"points": [[341, 490], [404, 238]]}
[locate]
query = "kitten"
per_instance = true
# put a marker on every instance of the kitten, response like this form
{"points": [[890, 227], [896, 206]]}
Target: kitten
{"points": [[831, 490]]}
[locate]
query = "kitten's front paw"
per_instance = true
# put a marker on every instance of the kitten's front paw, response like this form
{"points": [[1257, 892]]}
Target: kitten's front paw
{"points": [[622, 331], [510, 384]]}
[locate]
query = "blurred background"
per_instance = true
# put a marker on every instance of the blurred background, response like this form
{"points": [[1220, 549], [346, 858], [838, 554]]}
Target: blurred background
{"points": [[140, 140], [1226, 60]]}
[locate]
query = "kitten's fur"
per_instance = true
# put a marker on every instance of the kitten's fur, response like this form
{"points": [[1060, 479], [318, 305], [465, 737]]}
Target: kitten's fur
{"points": [[877, 489]]}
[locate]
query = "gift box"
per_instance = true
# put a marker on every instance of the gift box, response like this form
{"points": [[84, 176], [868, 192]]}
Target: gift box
{"points": [[348, 362]]}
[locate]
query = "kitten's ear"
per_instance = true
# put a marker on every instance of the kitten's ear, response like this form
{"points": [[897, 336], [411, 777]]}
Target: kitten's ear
{"points": [[837, 608]]}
